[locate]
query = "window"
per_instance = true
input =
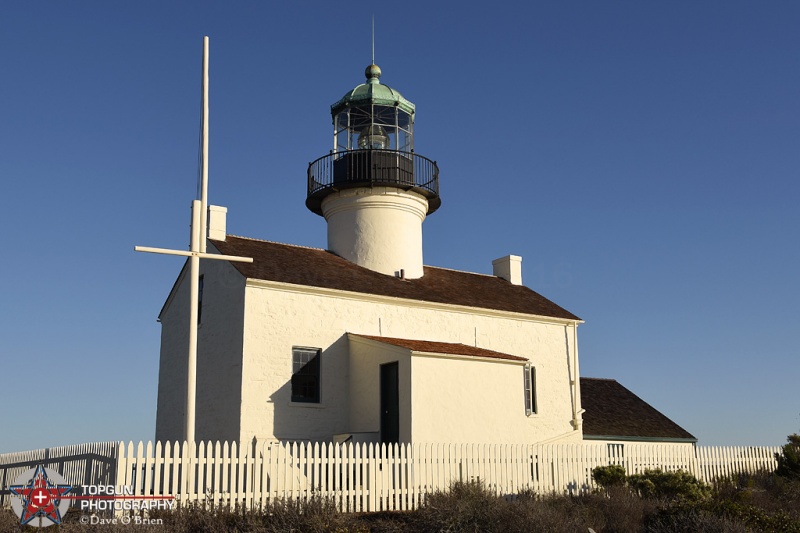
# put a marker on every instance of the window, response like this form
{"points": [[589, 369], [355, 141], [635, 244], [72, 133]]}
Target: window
{"points": [[305, 375], [199, 299], [530, 390]]}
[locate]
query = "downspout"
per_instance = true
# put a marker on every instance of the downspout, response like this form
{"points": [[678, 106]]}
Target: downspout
{"points": [[577, 411]]}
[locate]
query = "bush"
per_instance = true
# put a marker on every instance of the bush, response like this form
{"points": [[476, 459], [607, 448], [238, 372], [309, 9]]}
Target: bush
{"points": [[752, 516], [618, 510], [471, 507], [609, 476], [312, 515], [789, 458], [655, 502], [467, 506], [673, 486], [688, 519]]}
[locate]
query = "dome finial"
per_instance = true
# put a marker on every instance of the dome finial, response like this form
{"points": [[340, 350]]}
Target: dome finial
{"points": [[373, 73]]}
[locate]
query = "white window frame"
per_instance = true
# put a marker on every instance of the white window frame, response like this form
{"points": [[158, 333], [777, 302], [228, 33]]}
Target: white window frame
{"points": [[529, 380], [299, 351]]}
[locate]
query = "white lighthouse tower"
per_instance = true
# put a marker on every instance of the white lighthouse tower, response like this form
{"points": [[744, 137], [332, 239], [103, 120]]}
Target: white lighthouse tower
{"points": [[373, 189]]}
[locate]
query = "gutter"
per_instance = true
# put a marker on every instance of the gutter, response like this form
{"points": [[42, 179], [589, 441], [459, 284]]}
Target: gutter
{"points": [[628, 438]]}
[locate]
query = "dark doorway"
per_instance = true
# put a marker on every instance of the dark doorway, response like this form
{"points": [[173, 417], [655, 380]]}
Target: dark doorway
{"points": [[390, 404]]}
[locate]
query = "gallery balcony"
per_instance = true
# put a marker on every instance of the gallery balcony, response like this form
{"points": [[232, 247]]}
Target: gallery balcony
{"points": [[372, 168]]}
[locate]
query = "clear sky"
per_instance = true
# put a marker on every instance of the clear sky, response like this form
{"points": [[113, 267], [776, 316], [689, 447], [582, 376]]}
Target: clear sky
{"points": [[642, 158]]}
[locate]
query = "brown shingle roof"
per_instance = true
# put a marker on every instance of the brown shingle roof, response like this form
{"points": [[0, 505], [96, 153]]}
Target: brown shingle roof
{"points": [[319, 268], [450, 348], [614, 411]]}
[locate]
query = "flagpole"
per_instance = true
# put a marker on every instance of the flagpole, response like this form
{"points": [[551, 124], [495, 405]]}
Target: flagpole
{"points": [[194, 283], [197, 250], [204, 152], [198, 244]]}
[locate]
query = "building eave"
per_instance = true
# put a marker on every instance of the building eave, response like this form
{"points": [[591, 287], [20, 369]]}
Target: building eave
{"points": [[476, 358], [629, 438], [421, 304], [173, 290], [407, 351]]}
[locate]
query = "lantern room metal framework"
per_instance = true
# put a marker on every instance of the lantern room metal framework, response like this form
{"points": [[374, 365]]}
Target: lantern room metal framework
{"points": [[373, 145]]}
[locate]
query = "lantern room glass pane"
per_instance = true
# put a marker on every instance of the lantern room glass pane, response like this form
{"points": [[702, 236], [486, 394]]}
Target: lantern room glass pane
{"points": [[374, 126], [404, 120], [342, 139], [405, 133], [360, 117], [405, 141], [384, 115], [341, 132], [341, 120]]}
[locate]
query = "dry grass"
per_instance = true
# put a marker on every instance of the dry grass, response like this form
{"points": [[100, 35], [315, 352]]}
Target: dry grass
{"points": [[741, 504]]}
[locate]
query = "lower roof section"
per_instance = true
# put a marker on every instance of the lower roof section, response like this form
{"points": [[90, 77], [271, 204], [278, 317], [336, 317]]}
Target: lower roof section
{"points": [[445, 348], [615, 413]]}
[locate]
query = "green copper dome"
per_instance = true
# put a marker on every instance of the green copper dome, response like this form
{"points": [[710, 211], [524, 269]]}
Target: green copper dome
{"points": [[372, 92]]}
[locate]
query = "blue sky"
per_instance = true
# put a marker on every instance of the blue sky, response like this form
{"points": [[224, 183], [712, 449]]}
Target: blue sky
{"points": [[642, 157]]}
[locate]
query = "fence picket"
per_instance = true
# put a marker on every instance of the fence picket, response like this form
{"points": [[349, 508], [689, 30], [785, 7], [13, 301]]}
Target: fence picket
{"points": [[365, 477]]}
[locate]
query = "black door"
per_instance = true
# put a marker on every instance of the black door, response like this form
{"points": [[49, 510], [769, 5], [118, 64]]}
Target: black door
{"points": [[390, 404]]}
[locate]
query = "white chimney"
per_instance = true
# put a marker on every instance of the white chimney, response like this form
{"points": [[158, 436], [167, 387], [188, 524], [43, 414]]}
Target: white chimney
{"points": [[509, 268], [217, 222]]}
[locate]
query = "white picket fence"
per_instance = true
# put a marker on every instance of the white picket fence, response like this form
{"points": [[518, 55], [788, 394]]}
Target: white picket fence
{"points": [[368, 477]]}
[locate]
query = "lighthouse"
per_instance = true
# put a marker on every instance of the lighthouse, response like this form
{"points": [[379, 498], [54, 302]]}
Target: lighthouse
{"points": [[373, 189]]}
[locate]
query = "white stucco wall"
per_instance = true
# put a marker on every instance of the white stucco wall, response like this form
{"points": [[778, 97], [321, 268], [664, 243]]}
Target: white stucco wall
{"points": [[474, 401], [280, 316], [366, 357], [171, 404], [379, 228], [445, 398], [219, 354]]}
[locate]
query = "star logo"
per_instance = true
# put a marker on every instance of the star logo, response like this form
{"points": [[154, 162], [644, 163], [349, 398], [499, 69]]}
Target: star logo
{"points": [[41, 497]]}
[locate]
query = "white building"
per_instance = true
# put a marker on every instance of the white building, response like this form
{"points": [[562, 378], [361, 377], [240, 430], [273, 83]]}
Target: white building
{"points": [[363, 341]]}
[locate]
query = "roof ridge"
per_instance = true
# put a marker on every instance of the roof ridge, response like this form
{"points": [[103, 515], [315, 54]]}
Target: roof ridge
{"points": [[324, 250], [422, 340], [599, 379], [276, 242], [461, 271], [290, 263]]}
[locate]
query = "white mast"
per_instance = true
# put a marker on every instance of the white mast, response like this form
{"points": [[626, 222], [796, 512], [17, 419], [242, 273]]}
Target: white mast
{"points": [[204, 151], [197, 250]]}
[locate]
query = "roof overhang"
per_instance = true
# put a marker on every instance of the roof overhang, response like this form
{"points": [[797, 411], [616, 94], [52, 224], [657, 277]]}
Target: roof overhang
{"points": [[393, 300], [489, 356], [629, 438]]}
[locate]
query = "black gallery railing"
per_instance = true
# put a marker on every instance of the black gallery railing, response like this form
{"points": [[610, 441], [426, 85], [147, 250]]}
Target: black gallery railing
{"points": [[370, 168]]}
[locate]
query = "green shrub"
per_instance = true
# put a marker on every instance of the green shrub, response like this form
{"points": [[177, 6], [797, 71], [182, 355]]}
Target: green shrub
{"points": [[690, 519], [753, 517], [789, 458], [609, 476], [679, 485]]}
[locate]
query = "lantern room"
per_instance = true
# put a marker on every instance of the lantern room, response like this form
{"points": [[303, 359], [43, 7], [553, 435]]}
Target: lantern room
{"points": [[373, 145], [373, 116]]}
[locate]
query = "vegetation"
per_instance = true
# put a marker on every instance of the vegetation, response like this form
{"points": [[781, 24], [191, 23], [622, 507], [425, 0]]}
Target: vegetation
{"points": [[789, 458], [609, 476], [652, 502], [677, 486]]}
